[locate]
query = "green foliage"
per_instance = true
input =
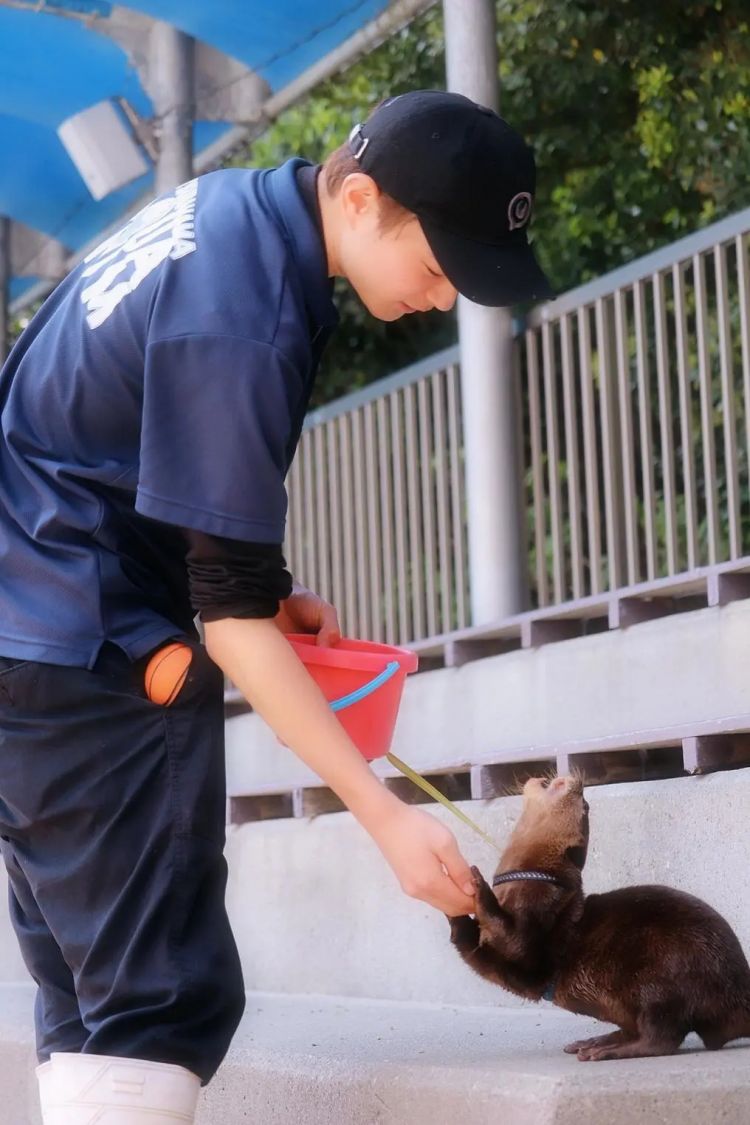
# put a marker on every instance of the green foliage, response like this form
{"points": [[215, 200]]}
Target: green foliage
{"points": [[19, 322], [637, 112], [636, 122]]}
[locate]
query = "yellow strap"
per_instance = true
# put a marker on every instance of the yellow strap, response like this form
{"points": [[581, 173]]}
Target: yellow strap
{"points": [[433, 792]]}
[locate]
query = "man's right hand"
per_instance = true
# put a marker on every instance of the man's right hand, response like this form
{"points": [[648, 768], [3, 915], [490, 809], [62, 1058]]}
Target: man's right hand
{"points": [[425, 858], [423, 853]]}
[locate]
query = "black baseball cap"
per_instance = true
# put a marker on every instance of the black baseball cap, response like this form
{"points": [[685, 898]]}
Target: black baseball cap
{"points": [[469, 178]]}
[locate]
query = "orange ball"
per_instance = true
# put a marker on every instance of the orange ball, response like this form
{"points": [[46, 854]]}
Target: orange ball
{"points": [[166, 672]]}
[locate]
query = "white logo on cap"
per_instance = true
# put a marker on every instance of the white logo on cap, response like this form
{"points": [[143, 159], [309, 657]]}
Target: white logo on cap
{"points": [[356, 137], [519, 210]]}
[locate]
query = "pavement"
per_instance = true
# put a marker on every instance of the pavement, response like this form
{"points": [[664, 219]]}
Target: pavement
{"points": [[323, 1060]]}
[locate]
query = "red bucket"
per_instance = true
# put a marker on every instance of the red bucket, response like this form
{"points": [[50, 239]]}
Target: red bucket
{"points": [[363, 682]]}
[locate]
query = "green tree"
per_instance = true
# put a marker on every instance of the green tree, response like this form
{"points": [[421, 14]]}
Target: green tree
{"points": [[638, 116]]}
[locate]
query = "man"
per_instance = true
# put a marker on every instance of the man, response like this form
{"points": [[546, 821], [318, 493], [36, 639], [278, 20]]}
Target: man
{"points": [[149, 415]]}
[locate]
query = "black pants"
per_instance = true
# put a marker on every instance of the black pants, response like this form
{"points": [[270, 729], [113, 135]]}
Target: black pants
{"points": [[112, 813]]}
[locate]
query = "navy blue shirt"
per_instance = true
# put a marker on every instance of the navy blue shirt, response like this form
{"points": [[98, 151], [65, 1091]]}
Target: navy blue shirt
{"points": [[162, 386]]}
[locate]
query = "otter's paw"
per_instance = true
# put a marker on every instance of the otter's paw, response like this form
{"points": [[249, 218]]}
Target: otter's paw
{"points": [[610, 1040], [464, 933], [486, 905], [477, 877], [618, 1045], [598, 1054], [574, 1048]]}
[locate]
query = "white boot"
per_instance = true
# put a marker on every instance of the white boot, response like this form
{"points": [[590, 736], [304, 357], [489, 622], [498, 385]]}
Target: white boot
{"points": [[80, 1089], [44, 1078]]}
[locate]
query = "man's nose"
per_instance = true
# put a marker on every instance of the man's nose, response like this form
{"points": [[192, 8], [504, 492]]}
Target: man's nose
{"points": [[443, 296]]}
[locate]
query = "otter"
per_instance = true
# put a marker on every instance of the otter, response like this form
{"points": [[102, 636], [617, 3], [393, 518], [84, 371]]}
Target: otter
{"points": [[654, 961]]}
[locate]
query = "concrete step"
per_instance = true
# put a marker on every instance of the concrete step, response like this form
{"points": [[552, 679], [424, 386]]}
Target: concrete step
{"points": [[671, 678], [322, 1060]]}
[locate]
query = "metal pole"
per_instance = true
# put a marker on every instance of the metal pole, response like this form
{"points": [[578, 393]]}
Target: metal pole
{"points": [[497, 561], [5, 274], [172, 91]]}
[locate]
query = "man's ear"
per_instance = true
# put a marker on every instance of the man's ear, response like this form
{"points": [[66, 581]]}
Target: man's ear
{"points": [[359, 195]]}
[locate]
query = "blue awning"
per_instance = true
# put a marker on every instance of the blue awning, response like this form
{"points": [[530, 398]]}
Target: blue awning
{"points": [[55, 61]]}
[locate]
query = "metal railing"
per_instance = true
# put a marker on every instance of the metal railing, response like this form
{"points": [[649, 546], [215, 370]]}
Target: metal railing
{"points": [[376, 507], [635, 414], [637, 419]]}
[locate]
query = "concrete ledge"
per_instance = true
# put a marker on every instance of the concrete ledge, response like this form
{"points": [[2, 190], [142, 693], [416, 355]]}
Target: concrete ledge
{"points": [[330, 1061], [674, 672]]}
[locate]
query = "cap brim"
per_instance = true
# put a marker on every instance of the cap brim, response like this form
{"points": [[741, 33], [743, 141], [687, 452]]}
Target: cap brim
{"points": [[497, 276]]}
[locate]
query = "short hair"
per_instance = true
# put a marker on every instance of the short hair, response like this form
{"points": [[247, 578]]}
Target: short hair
{"points": [[342, 163]]}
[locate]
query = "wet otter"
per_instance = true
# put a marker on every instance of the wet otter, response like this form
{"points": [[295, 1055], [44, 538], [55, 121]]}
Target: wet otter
{"points": [[655, 961]]}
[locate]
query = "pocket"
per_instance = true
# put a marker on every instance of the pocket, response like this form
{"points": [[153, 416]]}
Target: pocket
{"points": [[194, 735], [9, 664], [114, 672]]}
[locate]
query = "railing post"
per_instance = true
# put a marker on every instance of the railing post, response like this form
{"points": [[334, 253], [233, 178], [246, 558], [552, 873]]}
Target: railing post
{"points": [[171, 82], [497, 558], [612, 444]]}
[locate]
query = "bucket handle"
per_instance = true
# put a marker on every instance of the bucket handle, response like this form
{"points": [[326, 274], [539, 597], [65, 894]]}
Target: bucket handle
{"points": [[367, 689]]}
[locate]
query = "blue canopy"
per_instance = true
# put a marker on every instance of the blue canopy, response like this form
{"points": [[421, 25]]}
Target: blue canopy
{"points": [[55, 61]]}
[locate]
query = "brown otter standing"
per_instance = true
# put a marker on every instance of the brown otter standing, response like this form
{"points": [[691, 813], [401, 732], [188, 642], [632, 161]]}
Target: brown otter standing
{"points": [[655, 961]]}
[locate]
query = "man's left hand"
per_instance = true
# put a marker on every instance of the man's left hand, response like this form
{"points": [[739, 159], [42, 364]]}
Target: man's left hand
{"points": [[306, 612]]}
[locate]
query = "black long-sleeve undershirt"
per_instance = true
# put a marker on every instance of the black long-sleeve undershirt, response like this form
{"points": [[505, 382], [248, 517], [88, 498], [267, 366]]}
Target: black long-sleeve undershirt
{"points": [[229, 578]]}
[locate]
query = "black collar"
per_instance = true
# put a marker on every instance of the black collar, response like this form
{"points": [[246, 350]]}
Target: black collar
{"points": [[307, 182], [532, 876], [304, 238]]}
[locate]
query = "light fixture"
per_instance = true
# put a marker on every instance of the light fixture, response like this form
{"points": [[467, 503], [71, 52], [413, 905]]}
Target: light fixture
{"points": [[101, 146]]}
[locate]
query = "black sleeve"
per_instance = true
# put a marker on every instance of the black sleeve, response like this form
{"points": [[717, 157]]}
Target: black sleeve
{"points": [[232, 578]]}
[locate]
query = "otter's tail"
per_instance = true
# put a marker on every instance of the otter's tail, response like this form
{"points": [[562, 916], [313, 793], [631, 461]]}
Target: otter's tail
{"points": [[730, 1022], [738, 1024]]}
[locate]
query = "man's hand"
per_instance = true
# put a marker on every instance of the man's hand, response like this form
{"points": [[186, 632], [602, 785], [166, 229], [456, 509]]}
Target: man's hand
{"points": [[306, 612], [425, 858]]}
